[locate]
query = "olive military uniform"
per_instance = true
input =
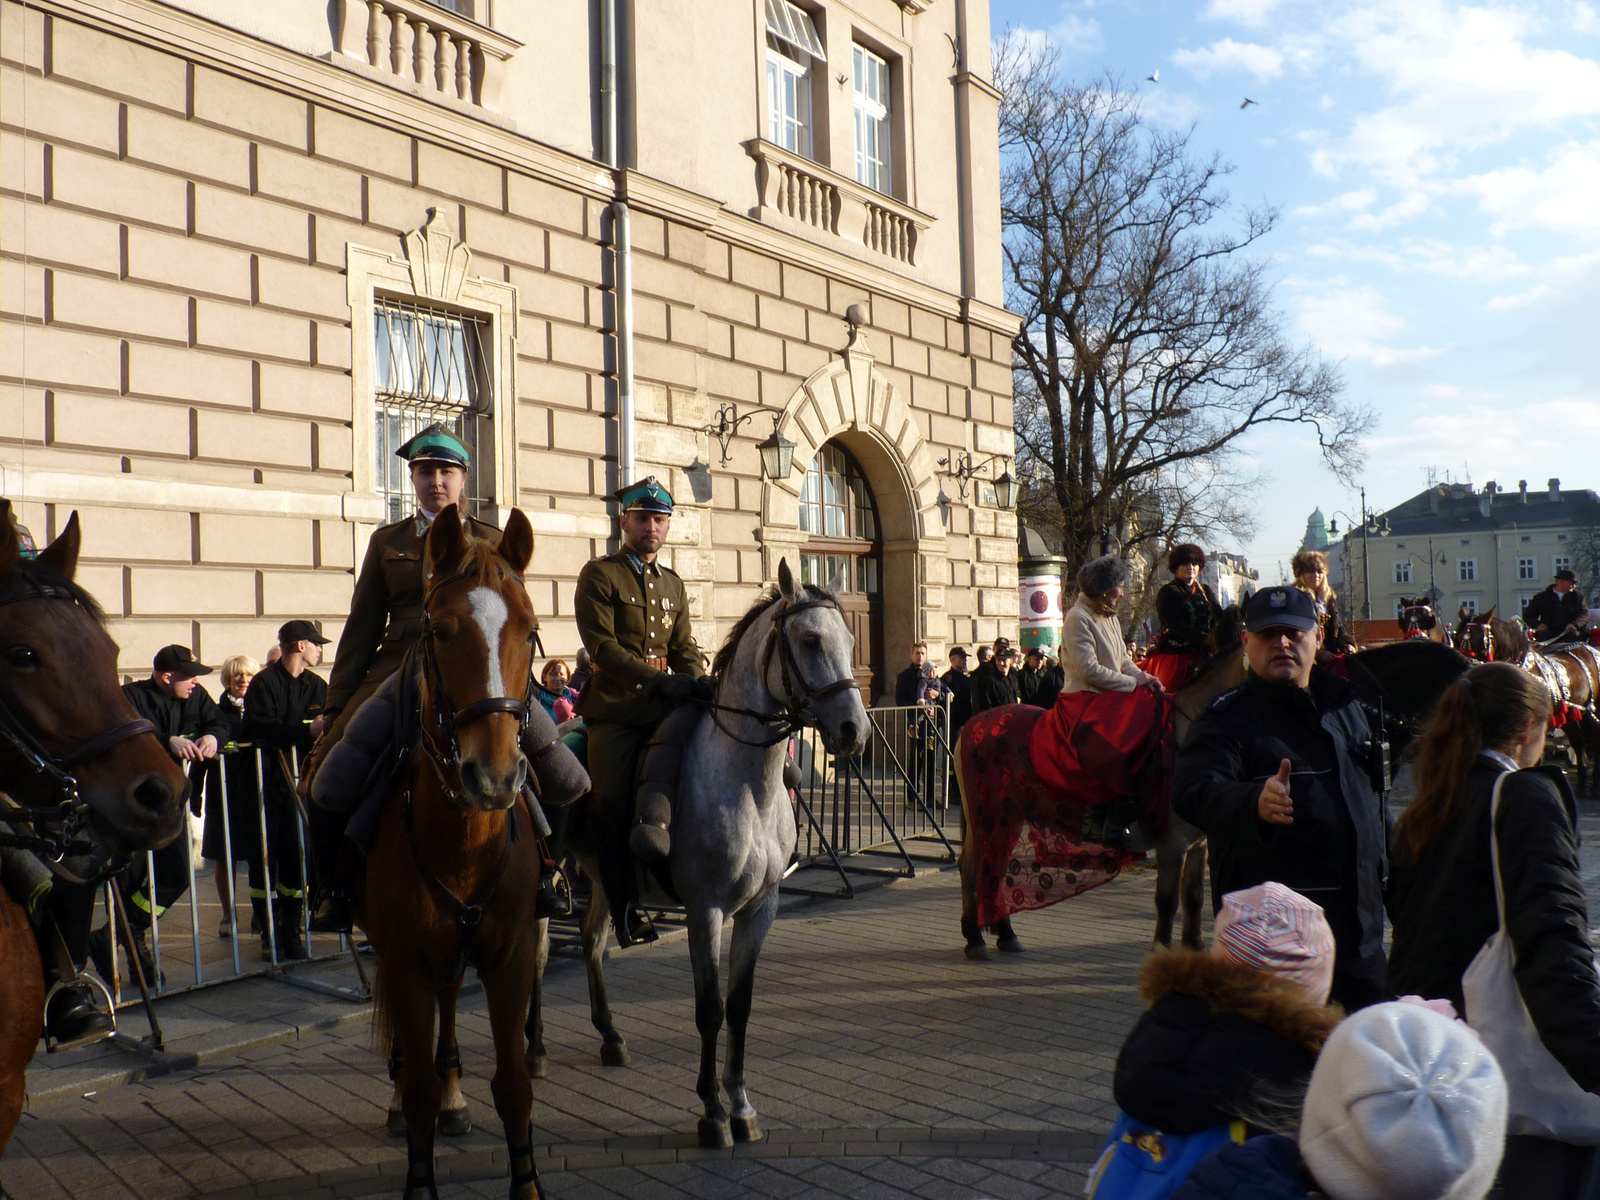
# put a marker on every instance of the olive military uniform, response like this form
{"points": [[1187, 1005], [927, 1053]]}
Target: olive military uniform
{"points": [[633, 617], [385, 613], [630, 612]]}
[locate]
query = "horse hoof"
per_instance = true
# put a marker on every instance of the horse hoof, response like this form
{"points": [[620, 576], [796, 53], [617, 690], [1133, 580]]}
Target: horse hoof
{"points": [[978, 953], [1009, 945], [539, 1066], [614, 1054], [746, 1129], [395, 1125], [715, 1135], [455, 1122]]}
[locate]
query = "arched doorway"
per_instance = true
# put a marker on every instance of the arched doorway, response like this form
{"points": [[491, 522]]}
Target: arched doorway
{"points": [[839, 517]]}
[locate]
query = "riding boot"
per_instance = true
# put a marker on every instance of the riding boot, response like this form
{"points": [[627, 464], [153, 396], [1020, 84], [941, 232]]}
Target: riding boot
{"points": [[289, 910], [334, 910], [1093, 828], [71, 1016], [554, 897], [1121, 815], [632, 924]]}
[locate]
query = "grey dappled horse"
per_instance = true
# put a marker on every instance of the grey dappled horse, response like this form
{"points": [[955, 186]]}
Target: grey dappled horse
{"points": [[733, 836]]}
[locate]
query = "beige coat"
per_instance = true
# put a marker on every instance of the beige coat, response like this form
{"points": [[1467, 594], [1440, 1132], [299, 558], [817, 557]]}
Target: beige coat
{"points": [[1093, 653]]}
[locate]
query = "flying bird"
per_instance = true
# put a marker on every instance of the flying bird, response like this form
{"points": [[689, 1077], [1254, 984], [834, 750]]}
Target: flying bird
{"points": [[1247, 102], [1155, 78]]}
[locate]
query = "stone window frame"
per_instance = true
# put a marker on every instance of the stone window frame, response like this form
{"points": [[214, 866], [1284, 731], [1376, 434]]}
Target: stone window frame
{"points": [[433, 268], [882, 113]]}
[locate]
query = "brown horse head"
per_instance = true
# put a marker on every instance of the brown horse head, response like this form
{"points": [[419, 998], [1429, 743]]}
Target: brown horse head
{"points": [[481, 625], [58, 684]]}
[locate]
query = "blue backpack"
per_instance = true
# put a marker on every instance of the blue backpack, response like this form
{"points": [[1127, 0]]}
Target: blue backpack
{"points": [[1140, 1162]]}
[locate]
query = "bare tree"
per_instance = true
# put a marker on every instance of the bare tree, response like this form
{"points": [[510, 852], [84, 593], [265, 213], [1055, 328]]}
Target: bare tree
{"points": [[1149, 344]]}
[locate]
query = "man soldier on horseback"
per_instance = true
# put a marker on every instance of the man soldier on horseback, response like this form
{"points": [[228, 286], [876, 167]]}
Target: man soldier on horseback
{"points": [[385, 620], [1558, 613], [193, 729], [633, 616]]}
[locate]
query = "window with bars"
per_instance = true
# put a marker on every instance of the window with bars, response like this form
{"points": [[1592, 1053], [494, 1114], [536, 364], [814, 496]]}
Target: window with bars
{"points": [[792, 48], [430, 365], [871, 74]]}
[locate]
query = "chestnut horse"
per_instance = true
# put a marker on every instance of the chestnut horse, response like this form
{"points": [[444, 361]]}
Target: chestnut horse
{"points": [[1570, 671], [1406, 677], [454, 867], [74, 753]]}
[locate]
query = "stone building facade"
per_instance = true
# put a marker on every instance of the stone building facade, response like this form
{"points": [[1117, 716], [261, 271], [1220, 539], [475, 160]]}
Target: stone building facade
{"points": [[248, 247]]}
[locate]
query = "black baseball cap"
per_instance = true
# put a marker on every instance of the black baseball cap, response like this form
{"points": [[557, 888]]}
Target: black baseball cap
{"points": [[300, 631], [180, 660], [955, 650], [1280, 608]]}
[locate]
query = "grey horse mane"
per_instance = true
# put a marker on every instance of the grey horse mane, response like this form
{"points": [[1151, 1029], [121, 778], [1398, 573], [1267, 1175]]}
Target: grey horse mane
{"points": [[764, 601]]}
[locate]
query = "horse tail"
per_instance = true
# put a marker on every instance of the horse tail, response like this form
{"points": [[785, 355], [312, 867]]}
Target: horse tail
{"points": [[382, 1011]]}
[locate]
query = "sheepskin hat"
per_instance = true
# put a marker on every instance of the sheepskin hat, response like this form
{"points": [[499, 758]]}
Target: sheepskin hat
{"points": [[1404, 1104], [1100, 575], [1184, 553]]}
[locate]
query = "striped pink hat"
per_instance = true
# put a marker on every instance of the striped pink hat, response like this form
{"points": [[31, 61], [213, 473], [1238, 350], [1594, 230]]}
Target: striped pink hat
{"points": [[1275, 929]]}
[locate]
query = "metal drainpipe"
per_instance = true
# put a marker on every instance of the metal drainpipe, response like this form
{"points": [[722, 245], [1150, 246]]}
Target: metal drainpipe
{"points": [[622, 242]]}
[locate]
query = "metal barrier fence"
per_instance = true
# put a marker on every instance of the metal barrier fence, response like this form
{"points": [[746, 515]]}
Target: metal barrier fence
{"points": [[184, 938], [900, 791]]}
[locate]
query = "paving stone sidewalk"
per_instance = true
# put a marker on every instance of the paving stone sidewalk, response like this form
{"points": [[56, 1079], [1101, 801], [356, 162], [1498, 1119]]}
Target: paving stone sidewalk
{"points": [[883, 1064]]}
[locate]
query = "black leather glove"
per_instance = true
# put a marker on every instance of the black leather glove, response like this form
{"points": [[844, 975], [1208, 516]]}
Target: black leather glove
{"points": [[676, 688], [705, 689]]}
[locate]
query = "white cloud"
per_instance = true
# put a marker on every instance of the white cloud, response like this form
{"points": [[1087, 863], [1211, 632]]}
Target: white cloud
{"points": [[1354, 322], [1075, 34], [1584, 19], [1560, 196], [1246, 12], [1538, 444], [1348, 202], [1464, 77], [1263, 62]]}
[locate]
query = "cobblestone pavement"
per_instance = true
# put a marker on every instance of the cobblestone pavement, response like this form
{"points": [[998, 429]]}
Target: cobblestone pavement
{"points": [[883, 1064]]}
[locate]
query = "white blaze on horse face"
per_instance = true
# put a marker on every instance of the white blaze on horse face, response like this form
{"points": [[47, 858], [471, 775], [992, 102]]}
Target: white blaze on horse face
{"points": [[489, 611]]}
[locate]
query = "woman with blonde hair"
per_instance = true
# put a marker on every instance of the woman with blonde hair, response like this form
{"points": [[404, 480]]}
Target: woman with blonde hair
{"points": [[1310, 569], [1488, 737], [236, 673]]}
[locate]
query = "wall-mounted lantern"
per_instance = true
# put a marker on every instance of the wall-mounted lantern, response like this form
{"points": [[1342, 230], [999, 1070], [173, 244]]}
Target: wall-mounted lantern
{"points": [[777, 454]]}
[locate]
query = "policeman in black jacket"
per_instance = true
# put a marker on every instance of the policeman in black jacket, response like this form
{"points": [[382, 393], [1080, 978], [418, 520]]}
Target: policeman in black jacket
{"points": [[282, 711], [193, 729], [1283, 774]]}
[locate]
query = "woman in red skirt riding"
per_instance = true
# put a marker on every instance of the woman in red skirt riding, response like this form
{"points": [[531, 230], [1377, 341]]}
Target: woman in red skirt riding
{"points": [[1187, 610]]}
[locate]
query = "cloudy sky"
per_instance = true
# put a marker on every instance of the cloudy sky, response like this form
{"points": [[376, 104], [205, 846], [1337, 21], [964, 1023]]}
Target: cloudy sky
{"points": [[1437, 166]]}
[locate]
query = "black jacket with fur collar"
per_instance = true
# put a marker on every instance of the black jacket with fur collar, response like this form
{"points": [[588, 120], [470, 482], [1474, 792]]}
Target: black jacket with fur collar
{"points": [[1220, 1042]]}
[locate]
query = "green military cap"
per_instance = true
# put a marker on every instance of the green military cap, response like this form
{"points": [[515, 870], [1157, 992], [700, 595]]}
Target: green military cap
{"points": [[647, 494], [436, 444]]}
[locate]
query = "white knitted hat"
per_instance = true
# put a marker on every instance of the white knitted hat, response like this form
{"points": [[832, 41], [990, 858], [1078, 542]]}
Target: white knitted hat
{"points": [[1404, 1104]]}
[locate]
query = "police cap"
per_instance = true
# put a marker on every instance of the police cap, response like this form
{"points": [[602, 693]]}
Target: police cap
{"points": [[1279, 608]]}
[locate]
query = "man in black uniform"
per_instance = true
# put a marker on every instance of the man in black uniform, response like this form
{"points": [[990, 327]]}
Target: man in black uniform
{"points": [[993, 684], [1557, 614], [193, 728], [281, 710], [1282, 775]]}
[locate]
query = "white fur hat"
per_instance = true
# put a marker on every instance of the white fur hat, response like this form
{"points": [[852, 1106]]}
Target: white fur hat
{"points": [[1404, 1104]]}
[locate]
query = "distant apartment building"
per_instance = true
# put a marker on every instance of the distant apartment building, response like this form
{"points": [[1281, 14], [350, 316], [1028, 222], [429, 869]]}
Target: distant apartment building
{"points": [[1474, 548], [250, 248]]}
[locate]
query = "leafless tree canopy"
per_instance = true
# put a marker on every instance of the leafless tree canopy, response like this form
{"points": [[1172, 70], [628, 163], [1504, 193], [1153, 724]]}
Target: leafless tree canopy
{"points": [[1149, 345]]}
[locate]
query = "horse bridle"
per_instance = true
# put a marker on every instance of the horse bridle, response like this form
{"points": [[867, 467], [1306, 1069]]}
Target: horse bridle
{"points": [[800, 698], [66, 808], [450, 719]]}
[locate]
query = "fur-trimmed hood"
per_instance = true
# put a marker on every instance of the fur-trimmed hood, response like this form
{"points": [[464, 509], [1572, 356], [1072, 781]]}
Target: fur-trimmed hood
{"points": [[1230, 987], [1220, 1041]]}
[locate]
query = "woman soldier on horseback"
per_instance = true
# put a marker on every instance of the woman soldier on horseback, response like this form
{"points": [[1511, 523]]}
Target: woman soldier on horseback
{"points": [[1188, 611], [385, 619], [1107, 701], [1310, 569]]}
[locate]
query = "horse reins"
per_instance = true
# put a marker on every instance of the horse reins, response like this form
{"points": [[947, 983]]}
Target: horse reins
{"points": [[468, 913], [799, 698], [67, 809]]}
